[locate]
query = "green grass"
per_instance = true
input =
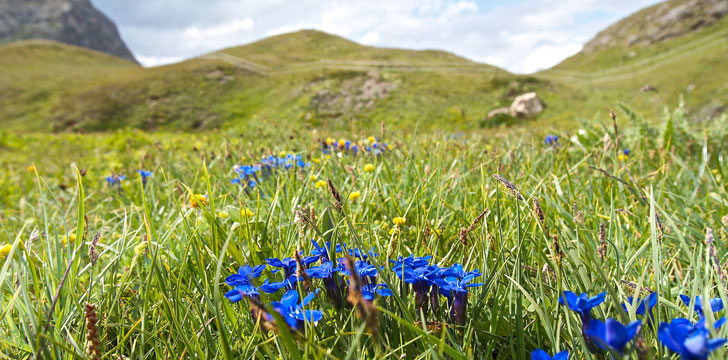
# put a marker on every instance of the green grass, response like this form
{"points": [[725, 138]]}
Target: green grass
{"points": [[167, 301]]}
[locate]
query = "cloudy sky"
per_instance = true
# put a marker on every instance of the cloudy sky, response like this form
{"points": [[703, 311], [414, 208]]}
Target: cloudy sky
{"points": [[519, 35]]}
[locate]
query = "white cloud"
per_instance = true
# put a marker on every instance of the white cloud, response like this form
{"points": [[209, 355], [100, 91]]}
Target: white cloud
{"points": [[519, 35], [216, 31], [369, 38], [150, 61]]}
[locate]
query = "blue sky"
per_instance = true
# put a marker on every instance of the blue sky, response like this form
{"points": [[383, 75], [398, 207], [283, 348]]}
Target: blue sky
{"points": [[521, 36]]}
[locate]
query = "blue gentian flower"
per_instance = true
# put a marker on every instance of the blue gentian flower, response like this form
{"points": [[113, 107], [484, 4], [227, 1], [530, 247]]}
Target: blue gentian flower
{"points": [[115, 180], [539, 354], [363, 268], [323, 252], [368, 291], [271, 287], [644, 306], [716, 325], [333, 284], [690, 342], [410, 261], [582, 304], [422, 278], [360, 254], [144, 175], [293, 312], [241, 291], [716, 304], [551, 140], [612, 335], [289, 264], [244, 275], [456, 291], [457, 271], [626, 152]]}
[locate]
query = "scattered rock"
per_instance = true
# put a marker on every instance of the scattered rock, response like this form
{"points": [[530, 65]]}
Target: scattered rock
{"points": [[526, 105], [499, 111], [352, 94]]}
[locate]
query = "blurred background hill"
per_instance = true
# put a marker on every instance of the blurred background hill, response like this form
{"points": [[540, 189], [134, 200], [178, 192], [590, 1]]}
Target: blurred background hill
{"points": [[81, 77]]}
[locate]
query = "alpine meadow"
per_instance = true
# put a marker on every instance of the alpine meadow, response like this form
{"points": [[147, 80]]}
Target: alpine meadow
{"points": [[305, 196]]}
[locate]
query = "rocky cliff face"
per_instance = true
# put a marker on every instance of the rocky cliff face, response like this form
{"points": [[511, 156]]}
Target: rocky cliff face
{"points": [[74, 22], [659, 22]]}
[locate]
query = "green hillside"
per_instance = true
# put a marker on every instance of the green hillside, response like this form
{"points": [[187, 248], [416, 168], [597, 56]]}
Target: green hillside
{"points": [[309, 77], [317, 80], [679, 62]]}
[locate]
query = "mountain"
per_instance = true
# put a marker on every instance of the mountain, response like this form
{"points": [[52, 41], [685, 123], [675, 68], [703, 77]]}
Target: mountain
{"points": [[659, 23], [306, 78], [652, 58], [74, 22]]}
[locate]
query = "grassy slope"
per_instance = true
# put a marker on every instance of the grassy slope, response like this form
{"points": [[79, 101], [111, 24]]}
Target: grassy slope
{"points": [[37, 74], [206, 93], [691, 65]]}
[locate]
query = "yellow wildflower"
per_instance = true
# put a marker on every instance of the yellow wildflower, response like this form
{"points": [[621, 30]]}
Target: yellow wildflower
{"points": [[372, 139], [140, 248], [314, 177], [354, 195], [320, 184], [369, 167], [246, 213], [197, 200], [623, 157], [342, 143], [30, 168], [316, 160], [330, 141], [223, 214], [5, 250], [399, 221], [70, 238], [282, 154]]}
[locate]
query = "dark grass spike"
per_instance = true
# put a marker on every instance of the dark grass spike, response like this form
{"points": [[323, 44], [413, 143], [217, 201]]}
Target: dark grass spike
{"points": [[301, 272], [364, 310], [93, 255], [713, 252], [335, 194], [602, 241], [538, 212], [93, 344], [512, 189]]}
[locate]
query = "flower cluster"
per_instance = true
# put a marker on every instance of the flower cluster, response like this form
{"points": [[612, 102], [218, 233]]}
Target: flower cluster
{"points": [[690, 341], [250, 175], [371, 145], [428, 282]]}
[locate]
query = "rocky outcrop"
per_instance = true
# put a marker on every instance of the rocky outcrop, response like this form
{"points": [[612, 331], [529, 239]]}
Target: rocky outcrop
{"points": [[660, 22], [74, 22], [526, 105]]}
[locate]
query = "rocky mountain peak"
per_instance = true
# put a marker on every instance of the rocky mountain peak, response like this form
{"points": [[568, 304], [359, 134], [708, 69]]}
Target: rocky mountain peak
{"points": [[75, 22]]}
